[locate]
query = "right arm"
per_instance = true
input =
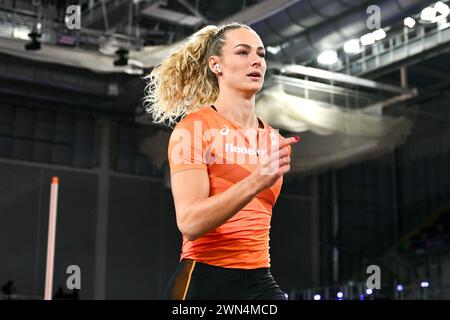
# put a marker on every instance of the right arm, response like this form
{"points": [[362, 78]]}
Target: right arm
{"points": [[197, 213]]}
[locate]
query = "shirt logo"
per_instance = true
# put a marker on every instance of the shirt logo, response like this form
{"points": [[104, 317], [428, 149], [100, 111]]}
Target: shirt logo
{"points": [[242, 150]]}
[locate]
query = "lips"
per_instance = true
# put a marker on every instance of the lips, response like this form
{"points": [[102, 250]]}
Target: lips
{"points": [[254, 74]]}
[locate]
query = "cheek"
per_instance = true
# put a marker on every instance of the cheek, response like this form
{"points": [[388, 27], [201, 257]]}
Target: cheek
{"points": [[237, 68]]}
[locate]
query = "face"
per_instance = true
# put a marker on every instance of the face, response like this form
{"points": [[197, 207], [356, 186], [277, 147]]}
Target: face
{"points": [[242, 62]]}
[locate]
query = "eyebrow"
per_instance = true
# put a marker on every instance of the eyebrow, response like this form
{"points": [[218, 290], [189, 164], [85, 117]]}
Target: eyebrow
{"points": [[247, 46]]}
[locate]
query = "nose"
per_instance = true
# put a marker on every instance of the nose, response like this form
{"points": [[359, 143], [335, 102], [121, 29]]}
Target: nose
{"points": [[256, 60], [256, 63]]}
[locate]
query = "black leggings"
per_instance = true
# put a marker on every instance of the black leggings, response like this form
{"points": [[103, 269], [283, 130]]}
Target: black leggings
{"points": [[194, 280]]}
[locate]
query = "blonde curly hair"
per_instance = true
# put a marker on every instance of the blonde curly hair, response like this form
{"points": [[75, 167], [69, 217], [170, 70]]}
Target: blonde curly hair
{"points": [[183, 82]]}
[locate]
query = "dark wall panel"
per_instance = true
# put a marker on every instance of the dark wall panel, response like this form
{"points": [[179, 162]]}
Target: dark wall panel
{"points": [[46, 136], [24, 209], [20, 247], [170, 241], [76, 228], [291, 244], [137, 239]]}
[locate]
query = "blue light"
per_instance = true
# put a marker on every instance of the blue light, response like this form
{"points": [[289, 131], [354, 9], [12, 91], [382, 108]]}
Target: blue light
{"points": [[339, 295], [369, 291], [399, 287], [424, 284], [317, 297]]}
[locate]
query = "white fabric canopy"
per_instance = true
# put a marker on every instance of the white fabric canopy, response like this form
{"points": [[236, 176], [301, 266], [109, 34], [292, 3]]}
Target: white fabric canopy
{"points": [[331, 136], [298, 114]]}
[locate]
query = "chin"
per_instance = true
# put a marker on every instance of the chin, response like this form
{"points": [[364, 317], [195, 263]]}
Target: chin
{"points": [[256, 85], [252, 90]]}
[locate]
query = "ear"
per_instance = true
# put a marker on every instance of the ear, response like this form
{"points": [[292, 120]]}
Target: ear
{"points": [[212, 61]]}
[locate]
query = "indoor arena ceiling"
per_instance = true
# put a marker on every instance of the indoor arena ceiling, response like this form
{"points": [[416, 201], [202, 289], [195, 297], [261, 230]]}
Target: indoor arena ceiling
{"points": [[295, 30], [76, 68]]}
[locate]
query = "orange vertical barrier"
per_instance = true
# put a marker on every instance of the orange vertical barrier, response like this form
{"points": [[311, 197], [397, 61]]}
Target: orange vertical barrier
{"points": [[51, 239]]}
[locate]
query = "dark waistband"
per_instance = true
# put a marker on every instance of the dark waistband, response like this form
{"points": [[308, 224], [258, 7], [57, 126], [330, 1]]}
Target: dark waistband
{"points": [[227, 273]]}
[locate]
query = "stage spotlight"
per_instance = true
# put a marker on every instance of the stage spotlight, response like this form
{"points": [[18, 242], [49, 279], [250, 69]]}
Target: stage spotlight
{"points": [[327, 57], [317, 297], [434, 14], [273, 49], [399, 287], [352, 46], [424, 284], [367, 39], [339, 295], [369, 291], [409, 22], [379, 34], [34, 44], [122, 60], [428, 14], [442, 8]]}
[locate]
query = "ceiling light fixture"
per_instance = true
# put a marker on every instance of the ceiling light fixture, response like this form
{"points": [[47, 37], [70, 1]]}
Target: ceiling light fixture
{"points": [[352, 46], [409, 22], [367, 39], [327, 57]]}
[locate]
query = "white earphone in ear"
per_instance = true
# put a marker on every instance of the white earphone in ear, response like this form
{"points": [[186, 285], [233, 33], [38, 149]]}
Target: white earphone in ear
{"points": [[217, 67]]}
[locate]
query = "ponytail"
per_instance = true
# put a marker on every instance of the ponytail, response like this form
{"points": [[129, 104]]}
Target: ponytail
{"points": [[183, 83]]}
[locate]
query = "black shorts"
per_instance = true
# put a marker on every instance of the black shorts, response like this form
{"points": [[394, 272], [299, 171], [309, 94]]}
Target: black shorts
{"points": [[194, 280]]}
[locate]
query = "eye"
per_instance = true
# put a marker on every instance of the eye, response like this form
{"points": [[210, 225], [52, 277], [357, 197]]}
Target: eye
{"points": [[262, 54], [242, 52]]}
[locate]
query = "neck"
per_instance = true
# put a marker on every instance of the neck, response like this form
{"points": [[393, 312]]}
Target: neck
{"points": [[240, 109]]}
